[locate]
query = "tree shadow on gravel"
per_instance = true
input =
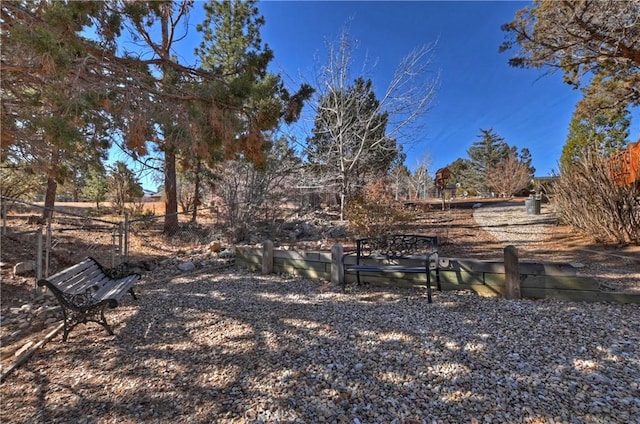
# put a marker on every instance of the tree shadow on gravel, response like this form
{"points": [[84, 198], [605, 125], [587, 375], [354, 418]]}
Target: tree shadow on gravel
{"points": [[238, 347]]}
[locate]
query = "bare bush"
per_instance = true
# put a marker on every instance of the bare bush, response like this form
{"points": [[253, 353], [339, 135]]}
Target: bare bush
{"points": [[588, 199], [374, 212], [509, 176], [250, 193]]}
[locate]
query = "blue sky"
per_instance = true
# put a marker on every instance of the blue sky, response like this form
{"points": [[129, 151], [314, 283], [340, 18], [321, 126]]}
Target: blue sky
{"points": [[478, 89]]}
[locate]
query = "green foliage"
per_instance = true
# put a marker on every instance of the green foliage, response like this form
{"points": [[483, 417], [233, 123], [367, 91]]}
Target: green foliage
{"points": [[123, 185], [581, 38], [349, 129], [602, 131], [96, 186], [484, 155], [349, 145], [477, 174], [374, 212], [18, 182], [255, 100]]}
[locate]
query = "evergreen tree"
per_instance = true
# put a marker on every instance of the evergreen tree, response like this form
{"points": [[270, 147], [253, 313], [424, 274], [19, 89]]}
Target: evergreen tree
{"points": [[459, 169], [525, 158], [484, 155], [602, 132], [581, 38], [349, 140], [50, 106], [255, 100], [123, 185], [96, 186]]}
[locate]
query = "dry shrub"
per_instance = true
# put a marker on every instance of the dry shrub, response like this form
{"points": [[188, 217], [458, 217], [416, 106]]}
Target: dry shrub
{"points": [[587, 198], [374, 212]]}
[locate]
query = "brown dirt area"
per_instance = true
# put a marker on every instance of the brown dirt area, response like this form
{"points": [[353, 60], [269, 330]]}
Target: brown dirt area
{"points": [[460, 236]]}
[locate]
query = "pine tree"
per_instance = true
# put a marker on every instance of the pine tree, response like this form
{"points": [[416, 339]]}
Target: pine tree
{"points": [[123, 185], [349, 139], [484, 155], [96, 186], [602, 133]]}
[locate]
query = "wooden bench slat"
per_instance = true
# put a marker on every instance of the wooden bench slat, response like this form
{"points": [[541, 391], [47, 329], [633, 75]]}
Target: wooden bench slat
{"points": [[81, 281], [84, 290], [68, 273], [115, 290]]}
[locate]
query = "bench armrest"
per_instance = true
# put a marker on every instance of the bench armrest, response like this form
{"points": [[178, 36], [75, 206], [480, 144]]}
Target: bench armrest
{"points": [[433, 256]]}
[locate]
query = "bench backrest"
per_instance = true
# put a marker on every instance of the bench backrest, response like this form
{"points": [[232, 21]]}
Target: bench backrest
{"points": [[396, 246], [86, 274]]}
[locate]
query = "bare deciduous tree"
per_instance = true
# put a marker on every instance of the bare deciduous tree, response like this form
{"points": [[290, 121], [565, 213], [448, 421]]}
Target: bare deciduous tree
{"points": [[420, 180], [509, 176], [361, 129], [250, 191]]}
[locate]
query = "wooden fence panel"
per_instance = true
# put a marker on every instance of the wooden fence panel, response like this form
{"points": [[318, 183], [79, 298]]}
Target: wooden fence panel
{"points": [[486, 278]]}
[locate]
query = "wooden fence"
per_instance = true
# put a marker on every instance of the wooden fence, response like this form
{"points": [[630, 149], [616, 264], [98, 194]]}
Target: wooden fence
{"points": [[510, 277]]}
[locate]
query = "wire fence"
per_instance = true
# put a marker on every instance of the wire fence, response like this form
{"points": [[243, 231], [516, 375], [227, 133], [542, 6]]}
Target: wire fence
{"points": [[65, 237], [69, 233], [153, 236]]}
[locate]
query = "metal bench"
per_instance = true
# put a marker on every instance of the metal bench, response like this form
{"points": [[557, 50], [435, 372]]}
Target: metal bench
{"points": [[85, 290], [383, 254]]}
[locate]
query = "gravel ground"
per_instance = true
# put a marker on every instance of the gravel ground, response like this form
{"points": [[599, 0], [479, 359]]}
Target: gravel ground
{"points": [[234, 347], [538, 237], [227, 346], [511, 224]]}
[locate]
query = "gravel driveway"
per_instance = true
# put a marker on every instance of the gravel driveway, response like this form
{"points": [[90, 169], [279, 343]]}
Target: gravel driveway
{"points": [[230, 347]]}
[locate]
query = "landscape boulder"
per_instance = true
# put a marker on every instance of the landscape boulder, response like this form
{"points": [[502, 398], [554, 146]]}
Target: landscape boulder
{"points": [[23, 268]]}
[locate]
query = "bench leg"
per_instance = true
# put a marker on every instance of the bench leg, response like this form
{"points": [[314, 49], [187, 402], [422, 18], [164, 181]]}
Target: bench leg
{"points": [[133, 294], [103, 320], [428, 285], [73, 317]]}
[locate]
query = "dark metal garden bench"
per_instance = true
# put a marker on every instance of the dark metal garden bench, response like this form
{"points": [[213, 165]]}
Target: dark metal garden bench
{"points": [[85, 290], [383, 254]]}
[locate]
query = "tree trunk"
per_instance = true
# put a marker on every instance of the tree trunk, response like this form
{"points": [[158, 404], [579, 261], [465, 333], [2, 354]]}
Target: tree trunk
{"points": [[49, 197], [196, 194], [170, 188]]}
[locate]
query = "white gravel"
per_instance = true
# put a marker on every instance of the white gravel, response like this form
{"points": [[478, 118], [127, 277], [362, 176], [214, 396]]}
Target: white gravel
{"points": [[232, 347], [511, 223]]}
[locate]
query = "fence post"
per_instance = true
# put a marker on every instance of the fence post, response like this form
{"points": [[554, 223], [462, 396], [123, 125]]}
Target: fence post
{"points": [[337, 268], [4, 216], [120, 240], [38, 254], [267, 257], [512, 273], [47, 248], [126, 237]]}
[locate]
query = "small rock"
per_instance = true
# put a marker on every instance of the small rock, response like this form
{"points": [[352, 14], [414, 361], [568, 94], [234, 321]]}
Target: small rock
{"points": [[22, 268], [186, 266], [227, 253]]}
